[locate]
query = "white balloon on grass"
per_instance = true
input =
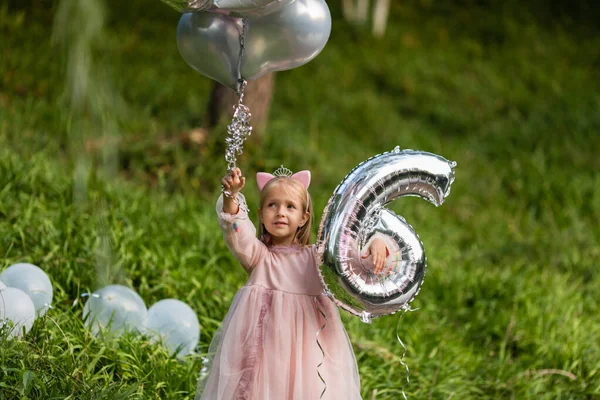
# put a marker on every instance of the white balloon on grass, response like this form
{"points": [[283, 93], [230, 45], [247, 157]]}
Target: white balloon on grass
{"points": [[175, 324], [16, 308], [32, 280], [115, 307]]}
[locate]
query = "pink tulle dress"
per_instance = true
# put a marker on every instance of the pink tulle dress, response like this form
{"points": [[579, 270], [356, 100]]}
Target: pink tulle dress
{"points": [[266, 347]]}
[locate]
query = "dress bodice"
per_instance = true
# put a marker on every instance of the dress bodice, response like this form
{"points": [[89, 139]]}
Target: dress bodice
{"points": [[290, 269]]}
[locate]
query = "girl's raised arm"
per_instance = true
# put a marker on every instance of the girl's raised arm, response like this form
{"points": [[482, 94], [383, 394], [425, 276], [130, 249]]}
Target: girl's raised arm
{"points": [[238, 231], [232, 184]]}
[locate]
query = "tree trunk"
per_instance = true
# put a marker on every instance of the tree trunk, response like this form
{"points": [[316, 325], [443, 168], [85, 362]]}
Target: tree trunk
{"points": [[257, 98], [381, 12], [357, 11]]}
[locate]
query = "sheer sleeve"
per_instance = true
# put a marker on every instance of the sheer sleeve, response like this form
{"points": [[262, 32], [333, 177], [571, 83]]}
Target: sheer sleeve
{"points": [[240, 234]]}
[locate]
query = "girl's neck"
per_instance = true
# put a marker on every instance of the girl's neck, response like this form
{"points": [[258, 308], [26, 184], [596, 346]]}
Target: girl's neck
{"points": [[284, 243]]}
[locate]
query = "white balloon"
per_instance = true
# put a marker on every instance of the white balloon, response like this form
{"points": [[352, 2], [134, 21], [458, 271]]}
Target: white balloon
{"points": [[117, 307], [175, 324], [16, 306], [32, 280]]}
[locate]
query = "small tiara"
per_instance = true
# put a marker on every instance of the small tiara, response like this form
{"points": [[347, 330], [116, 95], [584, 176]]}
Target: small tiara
{"points": [[282, 171]]}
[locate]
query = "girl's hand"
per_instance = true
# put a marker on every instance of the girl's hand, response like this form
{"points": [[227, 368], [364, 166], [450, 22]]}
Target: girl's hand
{"points": [[233, 182], [379, 252]]}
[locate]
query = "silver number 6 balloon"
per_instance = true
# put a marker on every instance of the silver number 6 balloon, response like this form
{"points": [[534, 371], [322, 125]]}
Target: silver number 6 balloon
{"points": [[355, 212]]}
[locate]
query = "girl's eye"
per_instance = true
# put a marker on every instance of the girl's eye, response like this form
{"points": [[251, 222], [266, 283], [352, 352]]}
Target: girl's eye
{"points": [[292, 207], [271, 204]]}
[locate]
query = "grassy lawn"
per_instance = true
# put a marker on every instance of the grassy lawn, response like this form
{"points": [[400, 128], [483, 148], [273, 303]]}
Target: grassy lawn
{"points": [[97, 187]]}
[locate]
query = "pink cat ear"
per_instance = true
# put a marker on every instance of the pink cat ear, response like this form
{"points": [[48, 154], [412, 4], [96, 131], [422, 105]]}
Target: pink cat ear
{"points": [[303, 177], [262, 178]]}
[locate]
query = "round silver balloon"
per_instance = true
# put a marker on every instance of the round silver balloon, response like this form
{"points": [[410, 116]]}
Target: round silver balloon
{"points": [[16, 308], [355, 212], [175, 324], [287, 38], [32, 280], [210, 43], [116, 307]]}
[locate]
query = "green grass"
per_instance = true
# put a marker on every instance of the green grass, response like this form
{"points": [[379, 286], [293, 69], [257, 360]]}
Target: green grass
{"points": [[508, 308]]}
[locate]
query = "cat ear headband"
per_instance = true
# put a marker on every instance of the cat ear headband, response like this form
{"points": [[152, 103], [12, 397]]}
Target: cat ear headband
{"points": [[262, 178]]}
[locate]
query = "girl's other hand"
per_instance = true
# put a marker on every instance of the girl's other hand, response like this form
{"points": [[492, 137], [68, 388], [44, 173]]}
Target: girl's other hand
{"points": [[379, 252], [233, 182]]}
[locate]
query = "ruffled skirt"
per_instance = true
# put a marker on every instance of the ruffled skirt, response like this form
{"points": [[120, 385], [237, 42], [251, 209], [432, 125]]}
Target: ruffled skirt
{"points": [[266, 349]]}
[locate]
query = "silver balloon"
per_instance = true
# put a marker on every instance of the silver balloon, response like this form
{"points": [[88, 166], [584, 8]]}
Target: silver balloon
{"points": [[117, 307], [175, 324], [189, 5], [285, 39], [238, 8], [245, 8], [210, 43], [17, 308], [355, 212], [32, 280]]}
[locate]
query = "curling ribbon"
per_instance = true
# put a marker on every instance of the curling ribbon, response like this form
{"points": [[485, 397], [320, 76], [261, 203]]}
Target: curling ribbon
{"points": [[321, 347], [404, 311]]}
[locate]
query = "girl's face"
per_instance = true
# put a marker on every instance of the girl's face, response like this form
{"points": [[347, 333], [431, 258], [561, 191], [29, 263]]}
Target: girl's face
{"points": [[282, 214]]}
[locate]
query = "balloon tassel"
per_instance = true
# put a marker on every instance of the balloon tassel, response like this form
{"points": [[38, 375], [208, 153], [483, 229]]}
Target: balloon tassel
{"points": [[240, 127]]}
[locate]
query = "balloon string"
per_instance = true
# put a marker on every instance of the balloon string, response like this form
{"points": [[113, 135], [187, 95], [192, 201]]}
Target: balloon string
{"points": [[240, 58], [321, 347], [404, 311]]}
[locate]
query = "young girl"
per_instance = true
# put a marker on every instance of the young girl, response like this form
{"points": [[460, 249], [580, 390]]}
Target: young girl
{"points": [[266, 348]]}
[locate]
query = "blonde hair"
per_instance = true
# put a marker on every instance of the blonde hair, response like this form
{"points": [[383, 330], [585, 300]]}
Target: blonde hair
{"points": [[294, 188]]}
